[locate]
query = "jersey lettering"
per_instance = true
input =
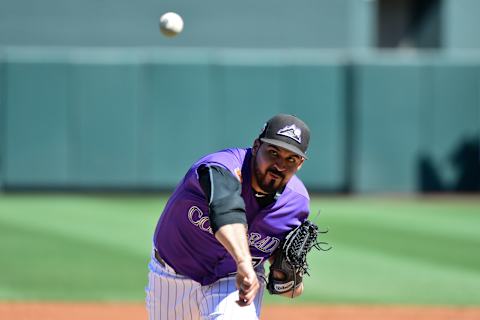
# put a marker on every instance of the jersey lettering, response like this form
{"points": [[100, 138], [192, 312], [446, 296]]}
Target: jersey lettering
{"points": [[253, 237], [197, 218], [266, 244]]}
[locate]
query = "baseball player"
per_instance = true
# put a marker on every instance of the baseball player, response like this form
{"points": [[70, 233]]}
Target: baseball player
{"points": [[223, 221]]}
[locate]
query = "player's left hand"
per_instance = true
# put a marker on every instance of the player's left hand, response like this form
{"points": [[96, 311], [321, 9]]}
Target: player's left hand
{"points": [[247, 283]]}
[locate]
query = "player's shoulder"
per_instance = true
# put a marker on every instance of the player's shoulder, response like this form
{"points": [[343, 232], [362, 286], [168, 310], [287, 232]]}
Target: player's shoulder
{"points": [[230, 158], [297, 188], [294, 203]]}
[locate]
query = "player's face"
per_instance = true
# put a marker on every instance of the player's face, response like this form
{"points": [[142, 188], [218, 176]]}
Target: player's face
{"points": [[273, 167]]}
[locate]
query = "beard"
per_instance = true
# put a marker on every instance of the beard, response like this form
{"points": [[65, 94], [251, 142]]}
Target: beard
{"points": [[266, 183]]}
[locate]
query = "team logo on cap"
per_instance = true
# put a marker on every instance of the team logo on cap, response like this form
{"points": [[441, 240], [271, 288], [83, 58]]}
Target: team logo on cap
{"points": [[292, 132]]}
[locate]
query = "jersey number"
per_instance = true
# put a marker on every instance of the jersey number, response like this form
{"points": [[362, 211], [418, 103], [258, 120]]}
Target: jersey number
{"points": [[256, 261]]}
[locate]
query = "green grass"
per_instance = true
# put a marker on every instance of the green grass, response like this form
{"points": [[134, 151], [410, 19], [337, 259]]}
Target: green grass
{"points": [[398, 251], [385, 250]]}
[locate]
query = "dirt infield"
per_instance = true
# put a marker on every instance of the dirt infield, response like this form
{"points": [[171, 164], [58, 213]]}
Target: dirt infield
{"points": [[131, 311]]}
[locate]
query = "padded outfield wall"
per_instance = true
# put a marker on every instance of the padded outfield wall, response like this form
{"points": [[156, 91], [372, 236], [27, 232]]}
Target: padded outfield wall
{"points": [[417, 123], [136, 119], [208, 23], [315, 24]]}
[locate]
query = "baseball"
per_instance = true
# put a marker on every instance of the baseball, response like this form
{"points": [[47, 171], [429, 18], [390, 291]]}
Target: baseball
{"points": [[171, 24]]}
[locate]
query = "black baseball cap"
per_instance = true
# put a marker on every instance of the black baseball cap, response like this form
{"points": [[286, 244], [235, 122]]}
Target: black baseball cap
{"points": [[288, 132]]}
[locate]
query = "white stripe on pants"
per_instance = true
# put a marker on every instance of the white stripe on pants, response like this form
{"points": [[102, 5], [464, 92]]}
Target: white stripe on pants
{"points": [[173, 296]]}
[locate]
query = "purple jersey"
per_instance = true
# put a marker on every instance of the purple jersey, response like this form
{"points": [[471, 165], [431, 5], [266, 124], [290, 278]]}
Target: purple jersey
{"points": [[183, 236]]}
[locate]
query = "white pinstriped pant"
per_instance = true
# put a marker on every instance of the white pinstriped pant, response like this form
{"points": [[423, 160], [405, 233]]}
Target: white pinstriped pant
{"points": [[173, 296]]}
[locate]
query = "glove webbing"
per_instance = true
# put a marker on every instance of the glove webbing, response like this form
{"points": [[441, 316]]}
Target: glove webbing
{"points": [[298, 243]]}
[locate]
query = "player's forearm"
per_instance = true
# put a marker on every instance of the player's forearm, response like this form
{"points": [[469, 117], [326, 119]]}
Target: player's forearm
{"points": [[234, 238]]}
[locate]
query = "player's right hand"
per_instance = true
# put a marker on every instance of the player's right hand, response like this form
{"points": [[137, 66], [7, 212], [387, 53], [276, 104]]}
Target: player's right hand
{"points": [[247, 283]]}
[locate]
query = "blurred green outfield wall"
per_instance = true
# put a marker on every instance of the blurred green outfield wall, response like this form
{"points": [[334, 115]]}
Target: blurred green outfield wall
{"points": [[316, 24], [461, 24], [2, 117], [136, 119], [104, 119], [208, 23], [417, 123]]}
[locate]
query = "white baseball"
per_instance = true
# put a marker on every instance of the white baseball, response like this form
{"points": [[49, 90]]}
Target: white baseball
{"points": [[171, 24]]}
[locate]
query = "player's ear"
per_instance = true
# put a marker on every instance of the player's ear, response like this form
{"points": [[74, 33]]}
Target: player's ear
{"points": [[301, 164], [256, 146]]}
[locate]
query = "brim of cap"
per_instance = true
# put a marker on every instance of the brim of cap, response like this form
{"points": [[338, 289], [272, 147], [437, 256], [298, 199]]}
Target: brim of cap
{"points": [[284, 145]]}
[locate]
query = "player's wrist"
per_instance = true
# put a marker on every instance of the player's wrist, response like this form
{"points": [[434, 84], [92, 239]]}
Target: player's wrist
{"points": [[244, 260]]}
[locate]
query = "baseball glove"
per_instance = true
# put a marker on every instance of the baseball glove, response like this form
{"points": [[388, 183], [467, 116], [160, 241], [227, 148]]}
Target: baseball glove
{"points": [[290, 262]]}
